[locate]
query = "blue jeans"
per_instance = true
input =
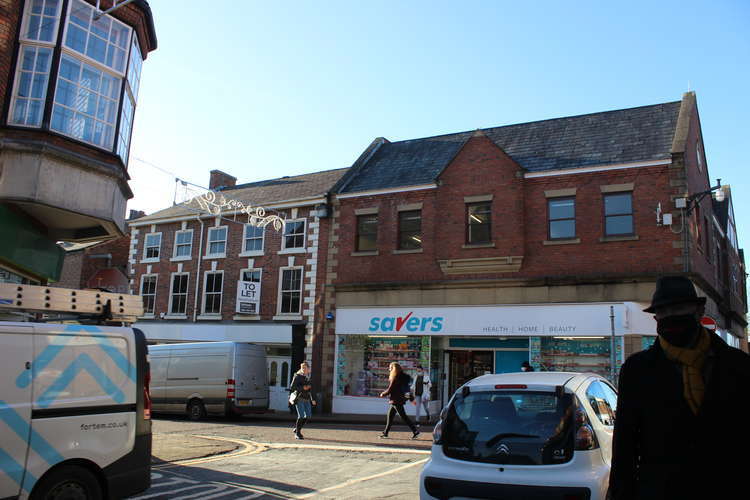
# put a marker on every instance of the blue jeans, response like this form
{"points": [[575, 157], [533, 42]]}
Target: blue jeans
{"points": [[304, 408]]}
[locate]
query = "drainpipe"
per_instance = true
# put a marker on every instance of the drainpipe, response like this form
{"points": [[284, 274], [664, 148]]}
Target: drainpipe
{"points": [[198, 273]]}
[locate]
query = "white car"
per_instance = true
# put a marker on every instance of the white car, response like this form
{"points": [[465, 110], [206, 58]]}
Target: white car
{"points": [[531, 435]]}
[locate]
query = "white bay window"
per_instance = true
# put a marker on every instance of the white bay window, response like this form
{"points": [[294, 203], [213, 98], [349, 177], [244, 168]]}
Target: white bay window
{"points": [[95, 90]]}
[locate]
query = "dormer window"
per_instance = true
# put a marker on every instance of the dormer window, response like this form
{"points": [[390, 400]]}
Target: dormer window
{"points": [[95, 88]]}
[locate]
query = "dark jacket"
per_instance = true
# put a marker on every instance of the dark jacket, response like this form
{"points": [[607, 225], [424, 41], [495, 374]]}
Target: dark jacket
{"points": [[396, 389], [661, 450], [298, 382]]}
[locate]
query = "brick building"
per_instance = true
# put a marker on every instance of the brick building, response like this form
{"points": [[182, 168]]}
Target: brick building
{"points": [[188, 264], [69, 79], [98, 264], [472, 252]]}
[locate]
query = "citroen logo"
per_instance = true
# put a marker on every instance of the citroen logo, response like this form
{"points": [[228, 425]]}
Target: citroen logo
{"points": [[503, 450]]}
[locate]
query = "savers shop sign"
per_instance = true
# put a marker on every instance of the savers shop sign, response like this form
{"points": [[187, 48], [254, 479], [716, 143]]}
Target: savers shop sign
{"points": [[546, 320]]}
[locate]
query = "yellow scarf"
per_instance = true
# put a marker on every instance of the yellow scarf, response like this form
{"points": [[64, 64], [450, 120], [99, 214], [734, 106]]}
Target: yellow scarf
{"points": [[692, 367]]}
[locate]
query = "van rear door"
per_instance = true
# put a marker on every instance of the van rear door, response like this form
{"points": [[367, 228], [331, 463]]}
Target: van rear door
{"points": [[251, 389], [15, 408]]}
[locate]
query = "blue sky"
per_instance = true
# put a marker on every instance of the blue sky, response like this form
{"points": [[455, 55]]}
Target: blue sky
{"points": [[265, 89]]}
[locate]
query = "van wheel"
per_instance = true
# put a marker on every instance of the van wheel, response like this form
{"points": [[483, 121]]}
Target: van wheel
{"points": [[69, 482], [195, 410]]}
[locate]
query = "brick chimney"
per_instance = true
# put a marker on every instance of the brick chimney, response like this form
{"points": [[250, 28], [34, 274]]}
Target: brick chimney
{"points": [[220, 180], [136, 214]]}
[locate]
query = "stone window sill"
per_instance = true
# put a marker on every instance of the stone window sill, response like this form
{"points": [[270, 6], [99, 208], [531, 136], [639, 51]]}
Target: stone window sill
{"points": [[175, 316], [210, 317], [364, 254], [252, 253], [605, 239], [180, 259], [216, 256], [479, 245], [150, 260], [416, 250], [566, 241], [245, 317], [292, 250], [147, 316], [288, 317]]}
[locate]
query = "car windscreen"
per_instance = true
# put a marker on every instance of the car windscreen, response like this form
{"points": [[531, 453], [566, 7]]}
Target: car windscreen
{"points": [[510, 427]]}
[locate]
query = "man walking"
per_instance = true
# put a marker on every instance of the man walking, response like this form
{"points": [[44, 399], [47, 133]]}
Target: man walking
{"points": [[682, 408]]}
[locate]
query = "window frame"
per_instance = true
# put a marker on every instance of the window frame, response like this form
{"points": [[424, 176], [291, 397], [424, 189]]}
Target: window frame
{"points": [[400, 233], [259, 270], [358, 234], [250, 253], [155, 276], [281, 291], [172, 293], [631, 214], [469, 223], [550, 220], [146, 247], [205, 293], [176, 245], [208, 242], [284, 236]]}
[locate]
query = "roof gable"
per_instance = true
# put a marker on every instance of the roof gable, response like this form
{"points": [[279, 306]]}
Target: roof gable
{"points": [[610, 137]]}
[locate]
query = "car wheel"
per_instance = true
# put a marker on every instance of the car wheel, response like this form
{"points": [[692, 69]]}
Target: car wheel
{"points": [[195, 410], [69, 482]]}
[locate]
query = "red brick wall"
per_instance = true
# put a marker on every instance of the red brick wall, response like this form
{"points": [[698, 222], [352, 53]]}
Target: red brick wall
{"points": [[519, 224], [71, 271], [270, 263]]}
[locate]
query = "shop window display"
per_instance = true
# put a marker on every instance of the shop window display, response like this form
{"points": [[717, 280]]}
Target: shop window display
{"points": [[575, 355], [362, 366]]}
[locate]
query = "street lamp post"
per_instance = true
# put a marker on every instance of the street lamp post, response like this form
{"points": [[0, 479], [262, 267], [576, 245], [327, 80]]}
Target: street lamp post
{"points": [[687, 205]]}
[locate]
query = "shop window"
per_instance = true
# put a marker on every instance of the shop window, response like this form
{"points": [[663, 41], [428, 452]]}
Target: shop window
{"points": [[217, 242], [294, 234], [152, 246], [97, 58], [183, 243], [290, 291], [362, 362], [479, 223], [561, 213], [148, 293], [367, 233], [178, 294], [284, 374], [410, 230], [618, 214], [575, 354], [212, 291]]}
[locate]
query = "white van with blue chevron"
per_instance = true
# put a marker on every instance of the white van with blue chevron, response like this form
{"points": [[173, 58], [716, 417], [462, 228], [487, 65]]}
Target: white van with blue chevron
{"points": [[74, 411]]}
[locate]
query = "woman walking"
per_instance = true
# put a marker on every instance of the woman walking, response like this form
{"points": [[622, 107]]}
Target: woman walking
{"points": [[397, 388], [304, 401]]}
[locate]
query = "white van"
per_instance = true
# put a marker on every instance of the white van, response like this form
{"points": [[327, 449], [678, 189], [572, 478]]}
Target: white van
{"points": [[74, 411], [208, 378]]}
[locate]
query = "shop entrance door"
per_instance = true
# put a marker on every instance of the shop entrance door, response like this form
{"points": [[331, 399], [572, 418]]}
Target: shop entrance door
{"points": [[279, 378], [466, 365]]}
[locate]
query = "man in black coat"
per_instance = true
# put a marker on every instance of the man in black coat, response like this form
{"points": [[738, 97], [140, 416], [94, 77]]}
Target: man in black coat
{"points": [[682, 413]]}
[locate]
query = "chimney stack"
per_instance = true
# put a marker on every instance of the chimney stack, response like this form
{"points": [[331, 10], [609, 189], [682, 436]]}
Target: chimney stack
{"points": [[220, 180], [136, 214]]}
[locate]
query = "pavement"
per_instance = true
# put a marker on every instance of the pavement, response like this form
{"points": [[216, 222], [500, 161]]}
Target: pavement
{"points": [[176, 447]]}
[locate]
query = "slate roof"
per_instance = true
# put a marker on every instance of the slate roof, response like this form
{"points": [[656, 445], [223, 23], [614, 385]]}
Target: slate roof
{"points": [[621, 136], [266, 192]]}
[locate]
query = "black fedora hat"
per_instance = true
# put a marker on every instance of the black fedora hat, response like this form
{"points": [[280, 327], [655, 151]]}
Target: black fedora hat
{"points": [[673, 290]]}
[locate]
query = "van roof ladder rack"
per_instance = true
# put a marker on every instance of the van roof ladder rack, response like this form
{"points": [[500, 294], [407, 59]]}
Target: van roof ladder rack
{"points": [[83, 304]]}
